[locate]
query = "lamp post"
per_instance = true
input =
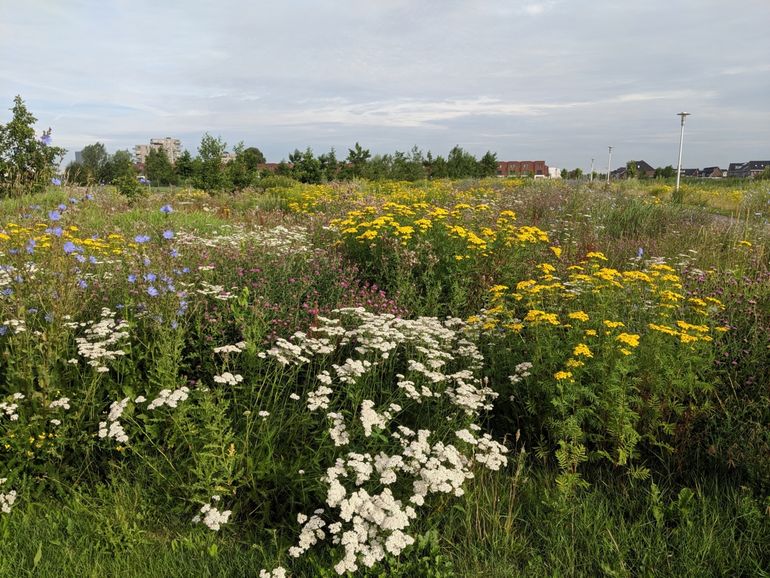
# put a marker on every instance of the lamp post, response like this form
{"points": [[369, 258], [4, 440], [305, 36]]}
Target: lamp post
{"points": [[609, 165], [681, 142], [591, 178]]}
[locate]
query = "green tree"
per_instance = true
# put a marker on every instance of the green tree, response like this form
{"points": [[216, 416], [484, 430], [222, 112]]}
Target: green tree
{"points": [[183, 167], [461, 164], [158, 168], [94, 158], [76, 173], [121, 164], [631, 171], [210, 175], [330, 166], [253, 157], [488, 164], [27, 164], [305, 167], [357, 157]]}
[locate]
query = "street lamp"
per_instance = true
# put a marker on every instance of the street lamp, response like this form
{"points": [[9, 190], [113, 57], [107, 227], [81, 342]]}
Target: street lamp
{"points": [[591, 178], [681, 142], [609, 165]]}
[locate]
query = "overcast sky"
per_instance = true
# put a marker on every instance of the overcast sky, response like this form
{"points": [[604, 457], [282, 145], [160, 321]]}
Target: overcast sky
{"points": [[553, 80]]}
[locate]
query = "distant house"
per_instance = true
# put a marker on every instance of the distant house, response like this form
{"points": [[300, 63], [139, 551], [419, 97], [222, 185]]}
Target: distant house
{"points": [[643, 171], [747, 170], [735, 170], [712, 173], [692, 173], [756, 168], [522, 169]]}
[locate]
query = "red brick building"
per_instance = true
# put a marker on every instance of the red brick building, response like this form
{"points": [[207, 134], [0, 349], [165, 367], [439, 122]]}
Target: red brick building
{"points": [[522, 169]]}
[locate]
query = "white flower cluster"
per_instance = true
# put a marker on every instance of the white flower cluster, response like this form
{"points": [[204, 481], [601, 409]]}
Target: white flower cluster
{"points": [[237, 348], [228, 378], [10, 408], [169, 398], [278, 240], [211, 517], [112, 428], [7, 499], [373, 496], [520, 372], [62, 402], [17, 325], [100, 336], [215, 291]]}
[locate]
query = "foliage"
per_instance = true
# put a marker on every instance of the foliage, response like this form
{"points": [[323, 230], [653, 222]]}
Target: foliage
{"points": [[27, 164], [158, 168]]}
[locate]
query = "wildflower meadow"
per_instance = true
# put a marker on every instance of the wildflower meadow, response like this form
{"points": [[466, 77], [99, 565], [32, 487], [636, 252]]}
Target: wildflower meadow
{"points": [[480, 377]]}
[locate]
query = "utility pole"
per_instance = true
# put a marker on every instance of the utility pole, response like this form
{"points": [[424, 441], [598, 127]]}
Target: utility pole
{"points": [[609, 165], [591, 178], [681, 142]]}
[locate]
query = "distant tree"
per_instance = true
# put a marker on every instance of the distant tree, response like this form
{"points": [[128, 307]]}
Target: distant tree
{"points": [[184, 166], [668, 172], [461, 164], [330, 166], [764, 175], [158, 168], [94, 159], [631, 171], [488, 165], [305, 167], [27, 164], [576, 174], [239, 175], [209, 171], [357, 157], [564, 174], [407, 166], [378, 168], [121, 164], [252, 158], [439, 168], [76, 173]]}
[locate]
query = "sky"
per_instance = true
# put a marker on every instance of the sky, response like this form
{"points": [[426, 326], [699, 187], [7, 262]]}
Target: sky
{"points": [[553, 80]]}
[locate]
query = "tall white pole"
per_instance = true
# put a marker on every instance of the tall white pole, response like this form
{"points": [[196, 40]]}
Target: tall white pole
{"points": [[609, 165], [591, 178], [681, 142]]}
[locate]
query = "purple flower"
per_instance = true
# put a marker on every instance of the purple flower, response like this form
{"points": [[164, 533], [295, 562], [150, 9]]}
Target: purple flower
{"points": [[132, 278], [80, 258], [152, 291], [168, 234], [142, 238], [70, 247], [31, 246], [56, 231], [45, 139], [92, 260], [54, 215], [174, 253], [150, 277], [166, 209], [56, 181], [89, 197], [62, 207], [82, 284]]}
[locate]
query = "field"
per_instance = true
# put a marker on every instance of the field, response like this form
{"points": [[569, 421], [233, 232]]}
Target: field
{"points": [[449, 378]]}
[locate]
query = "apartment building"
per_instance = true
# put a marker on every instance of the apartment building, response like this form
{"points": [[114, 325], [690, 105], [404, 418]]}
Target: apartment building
{"points": [[171, 146]]}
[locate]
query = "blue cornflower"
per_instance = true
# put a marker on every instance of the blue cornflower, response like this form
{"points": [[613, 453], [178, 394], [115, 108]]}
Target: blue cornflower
{"points": [[82, 284], [56, 181], [80, 258], [3, 329], [132, 278], [639, 253], [89, 197], [150, 277], [54, 215], [152, 291], [168, 234], [31, 246], [74, 201], [142, 238], [92, 260], [166, 209], [70, 247], [45, 139], [62, 207], [146, 261], [174, 253]]}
